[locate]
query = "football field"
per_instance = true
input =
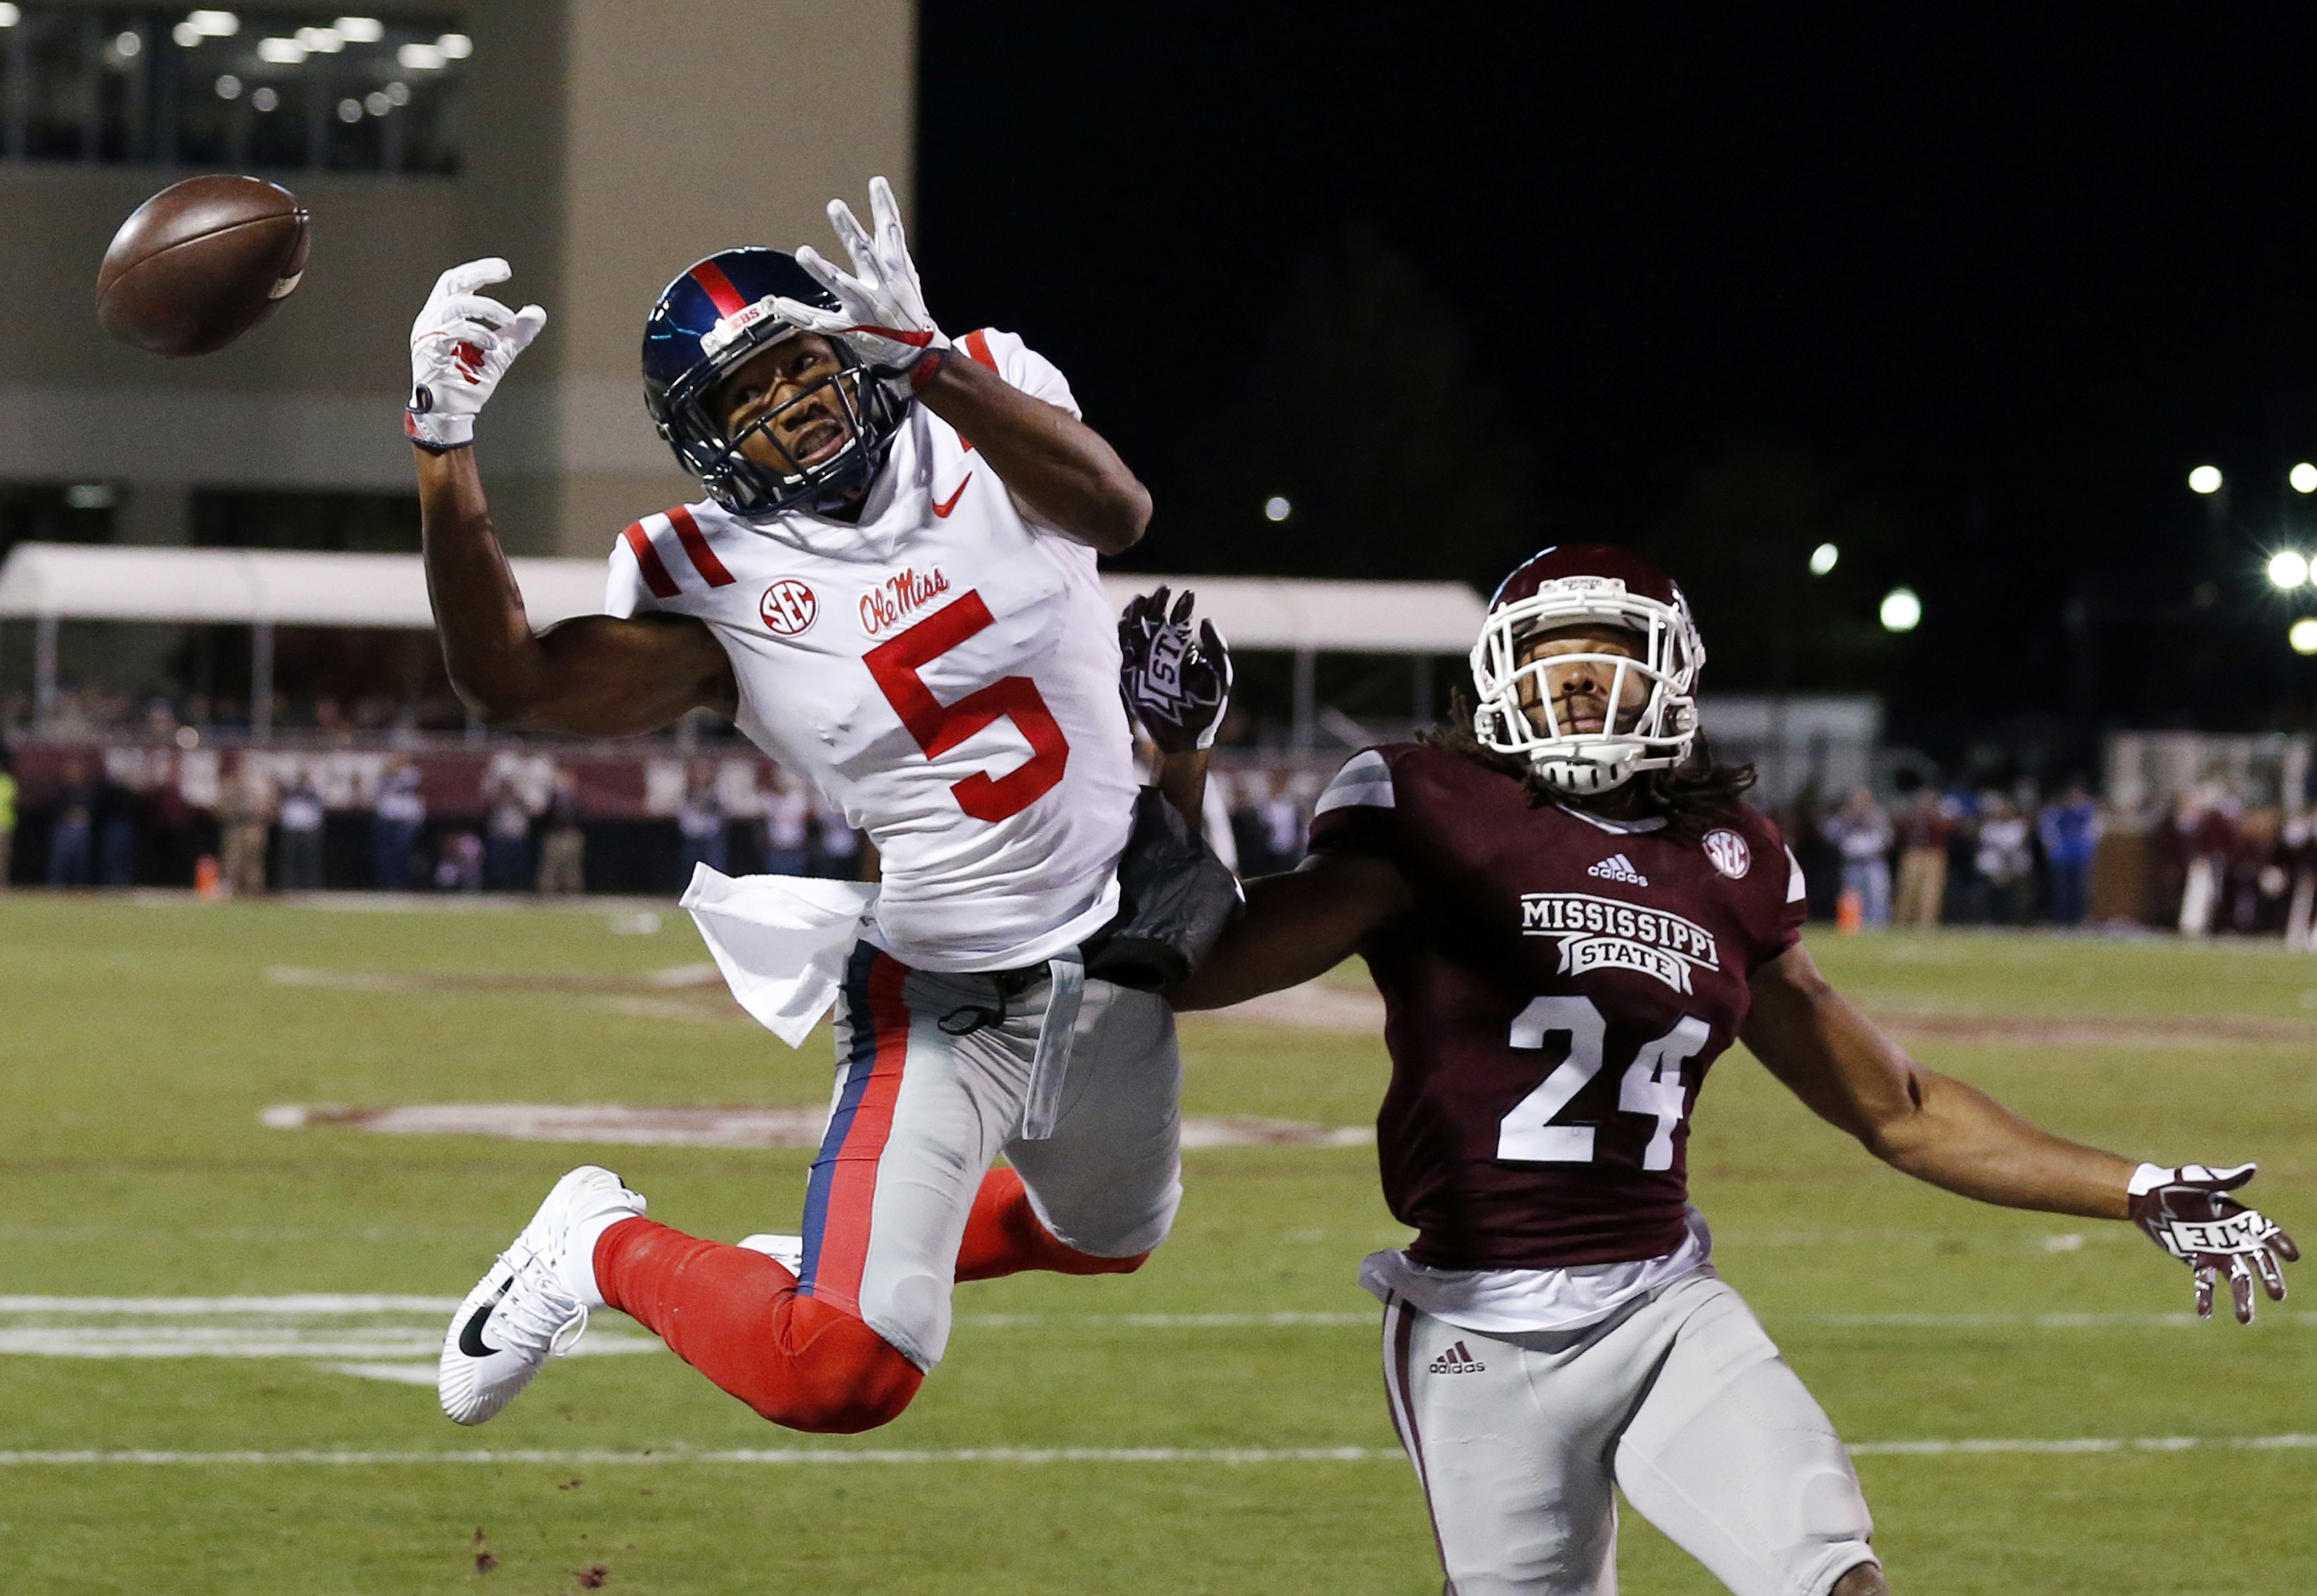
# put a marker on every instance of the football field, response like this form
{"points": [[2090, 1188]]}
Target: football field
{"points": [[217, 1323]]}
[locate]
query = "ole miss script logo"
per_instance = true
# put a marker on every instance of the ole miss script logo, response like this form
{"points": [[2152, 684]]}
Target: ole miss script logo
{"points": [[789, 607]]}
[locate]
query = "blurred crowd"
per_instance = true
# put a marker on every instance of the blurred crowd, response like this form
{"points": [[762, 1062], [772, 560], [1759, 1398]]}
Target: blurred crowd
{"points": [[176, 812], [1951, 856], [90, 711], [157, 817], [2204, 864]]}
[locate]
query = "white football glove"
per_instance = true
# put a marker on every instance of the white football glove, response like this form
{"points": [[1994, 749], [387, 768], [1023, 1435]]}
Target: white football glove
{"points": [[2189, 1214], [884, 317], [461, 346]]}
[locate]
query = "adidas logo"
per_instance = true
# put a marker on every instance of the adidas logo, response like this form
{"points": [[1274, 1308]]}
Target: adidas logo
{"points": [[1456, 1360], [1617, 867]]}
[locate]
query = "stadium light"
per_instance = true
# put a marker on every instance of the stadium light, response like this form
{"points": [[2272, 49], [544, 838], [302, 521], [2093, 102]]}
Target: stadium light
{"points": [[2303, 478], [359, 30], [2304, 635], [9, 15], [1822, 559], [1902, 610], [2287, 569], [1276, 508], [2204, 479], [214, 24]]}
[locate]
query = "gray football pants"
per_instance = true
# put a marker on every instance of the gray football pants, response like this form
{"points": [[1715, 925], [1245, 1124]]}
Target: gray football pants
{"points": [[921, 1111], [1680, 1399]]}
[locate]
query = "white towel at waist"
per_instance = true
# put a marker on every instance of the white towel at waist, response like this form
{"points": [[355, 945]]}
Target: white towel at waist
{"points": [[780, 940]]}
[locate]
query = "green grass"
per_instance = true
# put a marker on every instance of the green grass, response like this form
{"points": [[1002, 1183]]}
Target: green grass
{"points": [[139, 1042]]}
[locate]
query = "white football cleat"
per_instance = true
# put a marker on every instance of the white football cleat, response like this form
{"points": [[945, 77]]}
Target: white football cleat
{"points": [[788, 1251], [534, 1304]]}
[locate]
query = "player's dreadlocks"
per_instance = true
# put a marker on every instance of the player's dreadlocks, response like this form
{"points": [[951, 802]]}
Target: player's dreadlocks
{"points": [[1690, 798]]}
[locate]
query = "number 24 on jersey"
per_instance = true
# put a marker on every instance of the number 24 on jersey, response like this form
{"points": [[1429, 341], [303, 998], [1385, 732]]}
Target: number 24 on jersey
{"points": [[1652, 1084]]}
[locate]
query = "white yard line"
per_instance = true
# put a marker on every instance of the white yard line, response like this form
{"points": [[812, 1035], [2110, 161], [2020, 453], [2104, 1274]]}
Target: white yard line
{"points": [[295, 1307], [399, 1374], [2031, 1321], [307, 1303], [271, 1309], [263, 1342], [789, 1455], [821, 1455], [1368, 1320], [2145, 1443]]}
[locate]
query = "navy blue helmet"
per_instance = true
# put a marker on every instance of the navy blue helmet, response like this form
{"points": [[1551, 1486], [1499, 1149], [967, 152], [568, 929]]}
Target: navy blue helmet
{"points": [[710, 321]]}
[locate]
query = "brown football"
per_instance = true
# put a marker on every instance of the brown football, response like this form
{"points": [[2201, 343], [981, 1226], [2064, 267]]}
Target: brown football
{"points": [[201, 262]]}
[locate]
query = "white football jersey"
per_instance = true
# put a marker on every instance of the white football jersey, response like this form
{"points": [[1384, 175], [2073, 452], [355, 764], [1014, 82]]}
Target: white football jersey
{"points": [[945, 671]]}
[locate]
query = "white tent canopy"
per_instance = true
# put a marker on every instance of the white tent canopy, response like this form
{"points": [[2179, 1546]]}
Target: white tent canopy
{"points": [[259, 586], [49, 583]]}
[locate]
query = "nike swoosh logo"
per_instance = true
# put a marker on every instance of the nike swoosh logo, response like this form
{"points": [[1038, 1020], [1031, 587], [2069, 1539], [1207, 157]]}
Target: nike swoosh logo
{"points": [[471, 1337], [942, 507]]}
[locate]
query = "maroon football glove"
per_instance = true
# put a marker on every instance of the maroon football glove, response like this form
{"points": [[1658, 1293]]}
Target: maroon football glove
{"points": [[1176, 681], [2188, 1213]]}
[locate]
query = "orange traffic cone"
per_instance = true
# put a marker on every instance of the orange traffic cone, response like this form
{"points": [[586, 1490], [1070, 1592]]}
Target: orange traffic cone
{"points": [[205, 877], [1849, 912]]}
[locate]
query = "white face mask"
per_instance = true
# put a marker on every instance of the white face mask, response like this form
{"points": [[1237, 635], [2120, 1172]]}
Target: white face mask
{"points": [[1655, 734]]}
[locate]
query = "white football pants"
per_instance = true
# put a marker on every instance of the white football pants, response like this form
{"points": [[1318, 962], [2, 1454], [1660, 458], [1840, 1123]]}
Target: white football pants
{"points": [[921, 1111], [1680, 1399]]}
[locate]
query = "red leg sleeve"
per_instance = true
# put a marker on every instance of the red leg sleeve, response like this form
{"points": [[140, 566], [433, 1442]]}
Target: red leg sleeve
{"points": [[1002, 1236], [735, 1315]]}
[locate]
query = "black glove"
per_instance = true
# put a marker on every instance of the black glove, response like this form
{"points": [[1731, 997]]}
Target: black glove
{"points": [[2188, 1213], [1176, 683]]}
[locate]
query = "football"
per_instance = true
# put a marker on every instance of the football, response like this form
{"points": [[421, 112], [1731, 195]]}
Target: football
{"points": [[201, 262]]}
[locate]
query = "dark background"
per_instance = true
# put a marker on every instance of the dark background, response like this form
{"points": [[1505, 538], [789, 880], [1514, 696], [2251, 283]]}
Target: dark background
{"points": [[1964, 291]]}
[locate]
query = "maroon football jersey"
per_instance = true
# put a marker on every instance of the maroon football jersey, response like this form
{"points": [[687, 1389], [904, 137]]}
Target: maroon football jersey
{"points": [[1553, 1002]]}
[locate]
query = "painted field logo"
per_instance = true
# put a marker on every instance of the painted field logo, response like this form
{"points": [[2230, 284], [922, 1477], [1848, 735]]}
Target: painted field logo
{"points": [[1603, 934], [789, 607], [1729, 853]]}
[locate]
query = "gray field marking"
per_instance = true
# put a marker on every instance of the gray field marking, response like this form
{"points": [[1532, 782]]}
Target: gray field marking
{"points": [[823, 1456], [1318, 1006], [799, 1126], [315, 1325]]}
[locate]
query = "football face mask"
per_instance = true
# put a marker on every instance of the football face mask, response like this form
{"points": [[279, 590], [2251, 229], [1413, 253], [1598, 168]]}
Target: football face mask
{"points": [[808, 440], [1648, 716]]}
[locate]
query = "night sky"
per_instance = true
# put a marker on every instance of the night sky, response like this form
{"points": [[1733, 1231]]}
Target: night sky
{"points": [[1966, 292]]}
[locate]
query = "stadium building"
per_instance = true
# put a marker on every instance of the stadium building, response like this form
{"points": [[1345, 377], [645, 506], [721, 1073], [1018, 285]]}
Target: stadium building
{"points": [[594, 146]]}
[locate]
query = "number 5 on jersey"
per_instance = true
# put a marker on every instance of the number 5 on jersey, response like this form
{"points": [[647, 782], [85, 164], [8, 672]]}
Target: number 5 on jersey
{"points": [[940, 727], [1652, 1084]]}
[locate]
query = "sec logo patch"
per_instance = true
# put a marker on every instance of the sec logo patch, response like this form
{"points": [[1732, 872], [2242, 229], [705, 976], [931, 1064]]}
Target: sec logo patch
{"points": [[789, 607], [1729, 853]]}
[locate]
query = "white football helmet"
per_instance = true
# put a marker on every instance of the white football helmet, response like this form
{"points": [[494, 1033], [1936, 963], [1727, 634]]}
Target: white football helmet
{"points": [[1589, 585]]}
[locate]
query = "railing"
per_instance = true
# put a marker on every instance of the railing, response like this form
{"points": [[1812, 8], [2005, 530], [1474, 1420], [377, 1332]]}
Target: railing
{"points": [[253, 91]]}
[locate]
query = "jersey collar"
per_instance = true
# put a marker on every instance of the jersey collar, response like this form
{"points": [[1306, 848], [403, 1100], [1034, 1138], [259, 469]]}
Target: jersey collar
{"points": [[1622, 828]]}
